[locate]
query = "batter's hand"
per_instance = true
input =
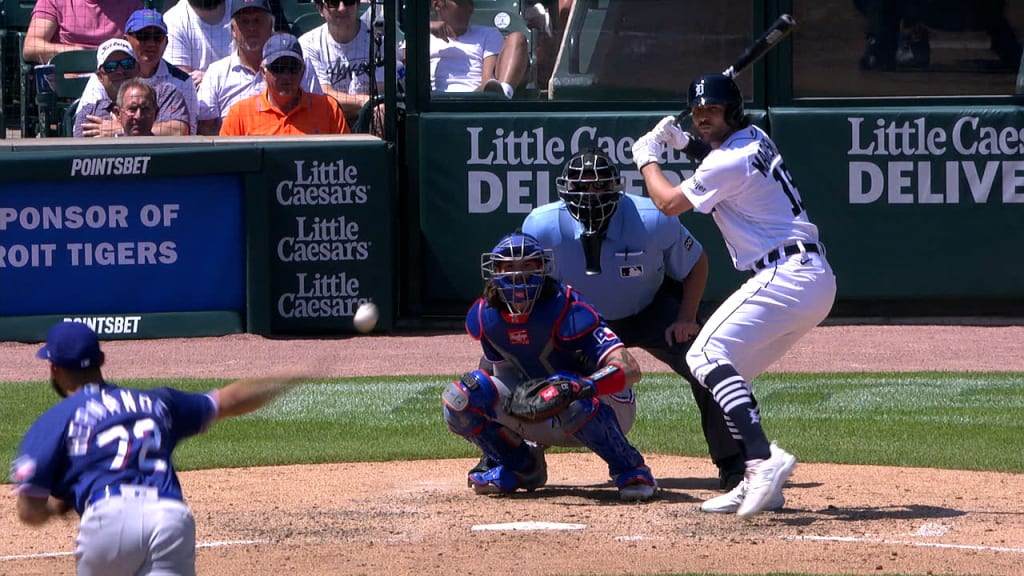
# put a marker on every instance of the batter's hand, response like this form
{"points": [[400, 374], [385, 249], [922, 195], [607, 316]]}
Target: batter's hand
{"points": [[669, 132], [647, 150], [681, 331]]}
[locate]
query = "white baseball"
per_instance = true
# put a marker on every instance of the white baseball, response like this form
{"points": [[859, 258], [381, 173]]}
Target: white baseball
{"points": [[366, 317]]}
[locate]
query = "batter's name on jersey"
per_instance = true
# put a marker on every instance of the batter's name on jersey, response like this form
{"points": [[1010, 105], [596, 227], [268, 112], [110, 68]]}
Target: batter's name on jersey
{"points": [[112, 166], [322, 184], [110, 324]]}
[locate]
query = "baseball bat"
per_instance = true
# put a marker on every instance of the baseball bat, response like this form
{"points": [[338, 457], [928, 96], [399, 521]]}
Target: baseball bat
{"points": [[771, 37]]}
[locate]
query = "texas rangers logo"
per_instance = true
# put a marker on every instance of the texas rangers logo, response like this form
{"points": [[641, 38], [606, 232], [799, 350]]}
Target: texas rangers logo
{"points": [[519, 336], [604, 334], [23, 469]]}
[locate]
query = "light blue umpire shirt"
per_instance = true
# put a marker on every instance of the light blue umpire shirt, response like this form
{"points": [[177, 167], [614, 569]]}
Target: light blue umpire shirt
{"points": [[641, 245]]}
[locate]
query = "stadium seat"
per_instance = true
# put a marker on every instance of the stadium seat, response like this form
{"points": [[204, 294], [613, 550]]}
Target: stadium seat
{"points": [[305, 23], [71, 74], [15, 75]]}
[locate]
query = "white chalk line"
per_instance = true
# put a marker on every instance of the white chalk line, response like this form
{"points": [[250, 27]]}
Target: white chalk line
{"points": [[904, 543], [219, 544]]}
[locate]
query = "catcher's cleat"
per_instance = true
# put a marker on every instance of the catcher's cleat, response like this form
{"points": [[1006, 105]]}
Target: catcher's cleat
{"points": [[730, 472], [483, 465], [636, 485], [501, 480]]}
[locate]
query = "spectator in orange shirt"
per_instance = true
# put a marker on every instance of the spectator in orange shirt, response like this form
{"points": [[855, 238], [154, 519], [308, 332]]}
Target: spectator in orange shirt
{"points": [[284, 108]]}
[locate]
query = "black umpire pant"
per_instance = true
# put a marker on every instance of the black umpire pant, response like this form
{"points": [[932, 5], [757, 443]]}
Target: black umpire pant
{"points": [[646, 330]]}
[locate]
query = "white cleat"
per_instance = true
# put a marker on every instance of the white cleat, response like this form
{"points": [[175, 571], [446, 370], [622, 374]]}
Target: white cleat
{"points": [[730, 502], [764, 480]]}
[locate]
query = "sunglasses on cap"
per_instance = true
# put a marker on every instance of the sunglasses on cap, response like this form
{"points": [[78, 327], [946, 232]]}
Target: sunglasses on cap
{"points": [[124, 63], [148, 36], [336, 3], [285, 66]]}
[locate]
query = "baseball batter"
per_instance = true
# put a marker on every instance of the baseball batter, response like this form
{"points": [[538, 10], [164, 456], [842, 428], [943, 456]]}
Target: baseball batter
{"points": [[106, 452], [532, 327], [743, 183], [643, 271]]}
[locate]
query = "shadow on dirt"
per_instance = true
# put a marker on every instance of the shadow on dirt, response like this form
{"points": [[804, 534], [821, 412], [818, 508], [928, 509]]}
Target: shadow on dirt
{"points": [[851, 514]]}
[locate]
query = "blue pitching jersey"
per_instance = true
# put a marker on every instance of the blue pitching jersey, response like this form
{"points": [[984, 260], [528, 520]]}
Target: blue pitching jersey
{"points": [[563, 334], [640, 246], [104, 436]]}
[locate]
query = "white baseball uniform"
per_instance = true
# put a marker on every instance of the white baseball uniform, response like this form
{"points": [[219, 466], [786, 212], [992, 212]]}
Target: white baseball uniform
{"points": [[746, 188]]}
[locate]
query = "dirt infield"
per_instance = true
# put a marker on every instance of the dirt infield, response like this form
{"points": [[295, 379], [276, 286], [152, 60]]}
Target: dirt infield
{"points": [[419, 518]]}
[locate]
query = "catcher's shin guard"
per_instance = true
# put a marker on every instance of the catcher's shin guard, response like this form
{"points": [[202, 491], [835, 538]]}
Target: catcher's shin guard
{"points": [[594, 424]]}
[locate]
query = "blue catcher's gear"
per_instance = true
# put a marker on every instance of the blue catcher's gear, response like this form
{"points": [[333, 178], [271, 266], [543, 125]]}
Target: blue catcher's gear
{"points": [[718, 89], [591, 188], [469, 409], [594, 424], [517, 267]]}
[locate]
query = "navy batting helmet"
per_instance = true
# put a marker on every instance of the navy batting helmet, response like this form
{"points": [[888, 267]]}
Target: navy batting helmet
{"points": [[591, 187], [517, 267], [718, 89]]}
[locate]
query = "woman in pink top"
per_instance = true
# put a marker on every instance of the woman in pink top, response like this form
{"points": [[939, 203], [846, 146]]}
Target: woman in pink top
{"points": [[63, 25]]}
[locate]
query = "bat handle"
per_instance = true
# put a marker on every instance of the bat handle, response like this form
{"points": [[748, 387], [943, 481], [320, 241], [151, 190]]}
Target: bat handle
{"points": [[682, 116]]}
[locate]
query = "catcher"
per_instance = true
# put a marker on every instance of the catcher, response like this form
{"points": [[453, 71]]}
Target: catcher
{"points": [[561, 378]]}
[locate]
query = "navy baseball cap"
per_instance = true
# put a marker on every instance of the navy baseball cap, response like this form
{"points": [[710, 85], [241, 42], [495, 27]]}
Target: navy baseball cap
{"points": [[72, 345], [279, 46], [239, 5], [144, 19]]}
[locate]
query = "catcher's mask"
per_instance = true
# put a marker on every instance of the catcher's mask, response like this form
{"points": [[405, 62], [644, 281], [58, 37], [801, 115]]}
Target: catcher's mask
{"points": [[718, 89], [517, 267], [591, 187]]}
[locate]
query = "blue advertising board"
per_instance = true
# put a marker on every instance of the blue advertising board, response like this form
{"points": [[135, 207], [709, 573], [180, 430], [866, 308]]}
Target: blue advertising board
{"points": [[163, 244]]}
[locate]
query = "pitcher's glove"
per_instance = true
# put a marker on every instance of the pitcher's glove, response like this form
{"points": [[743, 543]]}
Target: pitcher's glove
{"points": [[538, 400]]}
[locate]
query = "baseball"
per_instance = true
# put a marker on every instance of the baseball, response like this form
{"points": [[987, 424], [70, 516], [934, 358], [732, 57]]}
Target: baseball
{"points": [[366, 317]]}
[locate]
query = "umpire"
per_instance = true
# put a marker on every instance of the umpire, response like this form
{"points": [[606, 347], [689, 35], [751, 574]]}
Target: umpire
{"points": [[643, 271]]}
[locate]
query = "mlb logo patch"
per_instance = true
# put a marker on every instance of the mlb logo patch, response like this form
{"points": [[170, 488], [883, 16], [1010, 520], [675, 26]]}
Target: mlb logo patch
{"points": [[519, 337], [635, 271]]}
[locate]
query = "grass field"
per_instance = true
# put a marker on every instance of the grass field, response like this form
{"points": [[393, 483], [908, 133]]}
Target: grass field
{"points": [[938, 420]]}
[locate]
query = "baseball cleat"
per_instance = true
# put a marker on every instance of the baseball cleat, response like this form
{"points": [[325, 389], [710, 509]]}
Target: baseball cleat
{"points": [[764, 480], [501, 480], [730, 502], [636, 485]]}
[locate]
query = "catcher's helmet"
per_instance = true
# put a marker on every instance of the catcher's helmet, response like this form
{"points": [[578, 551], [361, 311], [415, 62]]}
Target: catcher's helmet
{"points": [[517, 267], [718, 89], [591, 187]]}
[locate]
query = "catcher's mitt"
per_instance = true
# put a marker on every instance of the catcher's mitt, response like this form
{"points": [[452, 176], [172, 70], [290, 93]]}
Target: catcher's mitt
{"points": [[538, 400]]}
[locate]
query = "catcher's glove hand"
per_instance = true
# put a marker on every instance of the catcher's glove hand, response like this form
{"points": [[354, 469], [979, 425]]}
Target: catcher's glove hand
{"points": [[538, 400]]}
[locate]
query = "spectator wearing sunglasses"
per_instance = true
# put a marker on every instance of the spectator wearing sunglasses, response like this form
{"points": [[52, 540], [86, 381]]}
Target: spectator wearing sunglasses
{"points": [[465, 57], [198, 34], [136, 108], [115, 64], [62, 25], [239, 75], [284, 108], [339, 52], [147, 34]]}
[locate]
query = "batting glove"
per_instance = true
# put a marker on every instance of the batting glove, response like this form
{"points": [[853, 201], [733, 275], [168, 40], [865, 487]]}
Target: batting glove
{"points": [[669, 132], [647, 150]]}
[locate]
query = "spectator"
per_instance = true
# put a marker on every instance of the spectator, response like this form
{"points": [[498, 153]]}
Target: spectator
{"points": [[136, 108], [64, 25], [339, 52], [116, 63], [239, 76], [198, 34], [284, 108], [469, 58], [147, 34]]}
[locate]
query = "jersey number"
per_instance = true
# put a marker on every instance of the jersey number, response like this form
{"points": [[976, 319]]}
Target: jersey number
{"points": [[143, 439], [783, 177]]}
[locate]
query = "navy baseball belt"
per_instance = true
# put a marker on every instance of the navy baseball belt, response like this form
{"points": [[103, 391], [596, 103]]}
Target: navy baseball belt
{"points": [[790, 250]]}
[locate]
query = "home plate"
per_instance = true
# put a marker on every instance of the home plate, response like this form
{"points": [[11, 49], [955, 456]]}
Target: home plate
{"points": [[528, 526]]}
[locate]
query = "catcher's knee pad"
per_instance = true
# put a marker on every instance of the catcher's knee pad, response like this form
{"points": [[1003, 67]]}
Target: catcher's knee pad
{"points": [[470, 403], [602, 434]]}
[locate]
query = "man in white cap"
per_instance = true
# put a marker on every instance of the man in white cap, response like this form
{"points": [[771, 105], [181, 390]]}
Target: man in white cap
{"points": [[147, 34], [284, 108], [115, 63], [239, 75]]}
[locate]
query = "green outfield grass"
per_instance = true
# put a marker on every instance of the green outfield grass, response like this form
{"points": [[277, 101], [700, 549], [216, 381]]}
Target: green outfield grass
{"points": [[941, 420]]}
